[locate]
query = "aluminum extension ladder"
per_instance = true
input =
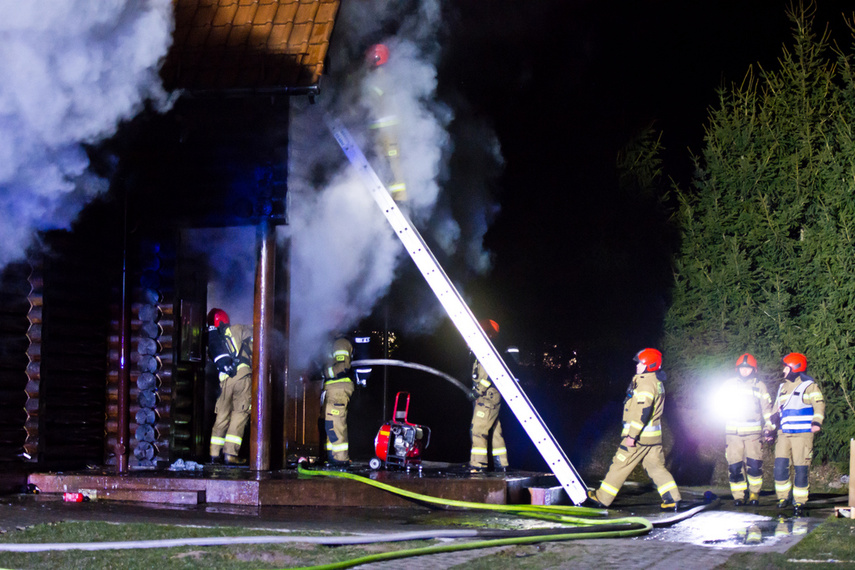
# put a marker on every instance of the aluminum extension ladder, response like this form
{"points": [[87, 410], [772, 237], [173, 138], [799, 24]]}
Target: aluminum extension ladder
{"points": [[464, 320]]}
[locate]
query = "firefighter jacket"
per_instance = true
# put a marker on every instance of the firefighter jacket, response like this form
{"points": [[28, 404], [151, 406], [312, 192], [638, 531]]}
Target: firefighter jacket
{"points": [[480, 381], [748, 406], [337, 367], [642, 410], [384, 124], [235, 342], [800, 404]]}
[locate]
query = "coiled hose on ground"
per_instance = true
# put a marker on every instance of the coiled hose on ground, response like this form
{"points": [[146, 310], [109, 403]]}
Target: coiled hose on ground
{"points": [[581, 519], [584, 523]]}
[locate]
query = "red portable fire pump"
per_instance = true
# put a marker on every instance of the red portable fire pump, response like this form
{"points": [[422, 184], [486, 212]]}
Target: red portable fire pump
{"points": [[399, 443]]}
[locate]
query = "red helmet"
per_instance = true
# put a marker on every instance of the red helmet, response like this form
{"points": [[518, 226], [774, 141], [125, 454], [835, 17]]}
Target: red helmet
{"points": [[796, 361], [651, 358], [377, 55], [217, 317], [491, 327], [746, 360]]}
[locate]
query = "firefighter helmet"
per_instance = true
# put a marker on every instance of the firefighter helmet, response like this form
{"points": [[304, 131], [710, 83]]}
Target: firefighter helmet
{"points": [[747, 360], [217, 317], [491, 327], [651, 358], [796, 361], [377, 55]]}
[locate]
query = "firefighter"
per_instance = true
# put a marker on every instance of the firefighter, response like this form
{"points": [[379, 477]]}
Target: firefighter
{"points": [[486, 429], [749, 419], [230, 347], [801, 411], [338, 388], [384, 120], [642, 435]]}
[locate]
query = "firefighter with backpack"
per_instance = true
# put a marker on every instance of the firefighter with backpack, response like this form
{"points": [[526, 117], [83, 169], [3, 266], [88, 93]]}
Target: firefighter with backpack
{"points": [[230, 348]]}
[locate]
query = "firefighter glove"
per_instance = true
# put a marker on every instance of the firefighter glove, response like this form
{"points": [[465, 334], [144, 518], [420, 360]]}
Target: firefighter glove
{"points": [[768, 436]]}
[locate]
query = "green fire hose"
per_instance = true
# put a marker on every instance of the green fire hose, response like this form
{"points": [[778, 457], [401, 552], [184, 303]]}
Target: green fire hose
{"points": [[583, 526]]}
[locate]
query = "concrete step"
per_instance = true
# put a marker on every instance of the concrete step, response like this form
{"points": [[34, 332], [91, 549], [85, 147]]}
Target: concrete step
{"points": [[240, 486]]}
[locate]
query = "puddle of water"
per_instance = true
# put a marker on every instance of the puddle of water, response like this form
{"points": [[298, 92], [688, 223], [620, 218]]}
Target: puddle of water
{"points": [[727, 529]]}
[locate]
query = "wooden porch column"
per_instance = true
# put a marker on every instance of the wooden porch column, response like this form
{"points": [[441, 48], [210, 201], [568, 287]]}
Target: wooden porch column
{"points": [[259, 446]]}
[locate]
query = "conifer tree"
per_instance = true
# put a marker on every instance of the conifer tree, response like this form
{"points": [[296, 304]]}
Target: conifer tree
{"points": [[765, 263]]}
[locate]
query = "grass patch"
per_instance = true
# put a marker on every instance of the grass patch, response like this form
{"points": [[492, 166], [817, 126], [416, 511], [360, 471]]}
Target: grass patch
{"points": [[97, 531], [832, 542], [238, 556]]}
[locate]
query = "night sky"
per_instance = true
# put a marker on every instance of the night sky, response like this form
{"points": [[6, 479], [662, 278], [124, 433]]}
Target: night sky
{"points": [[565, 84], [578, 263]]}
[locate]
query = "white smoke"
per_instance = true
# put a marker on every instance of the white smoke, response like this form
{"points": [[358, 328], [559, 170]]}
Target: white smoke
{"points": [[231, 254], [71, 72], [344, 255]]}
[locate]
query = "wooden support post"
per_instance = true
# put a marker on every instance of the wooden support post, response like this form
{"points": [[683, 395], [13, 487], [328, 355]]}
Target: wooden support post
{"points": [[123, 437], [259, 450]]}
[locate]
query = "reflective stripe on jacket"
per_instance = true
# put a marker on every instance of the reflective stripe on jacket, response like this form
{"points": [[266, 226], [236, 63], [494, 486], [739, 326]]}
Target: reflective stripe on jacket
{"points": [[642, 411], [800, 404], [239, 342]]}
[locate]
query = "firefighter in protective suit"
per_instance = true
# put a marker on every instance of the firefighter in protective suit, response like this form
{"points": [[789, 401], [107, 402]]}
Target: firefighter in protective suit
{"points": [[230, 347], [642, 435], [801, 410], [486, 429], [338, 389], [384, 120], [749, 417]]}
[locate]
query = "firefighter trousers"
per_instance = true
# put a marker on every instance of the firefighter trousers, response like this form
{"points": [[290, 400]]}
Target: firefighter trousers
{"points": [[652, 458], [486, 429], [232, 411], [338, 393], [744, 454], [799, 448]]}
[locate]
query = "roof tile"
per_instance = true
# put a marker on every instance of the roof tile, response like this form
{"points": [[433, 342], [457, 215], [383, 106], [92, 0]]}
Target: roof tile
{"points": [[203, 16], [245, 14], [240, 44], [306, 12], [259, 36], [285, 14], [279, 37], [225, 14], [266, 12], [299, 37]]}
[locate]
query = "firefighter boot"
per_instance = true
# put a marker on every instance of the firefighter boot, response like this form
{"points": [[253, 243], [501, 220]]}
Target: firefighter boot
{"points": [[592, 501], [783, 503], [336, 465], [233, 460], [669, 503], [753, 500]]}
